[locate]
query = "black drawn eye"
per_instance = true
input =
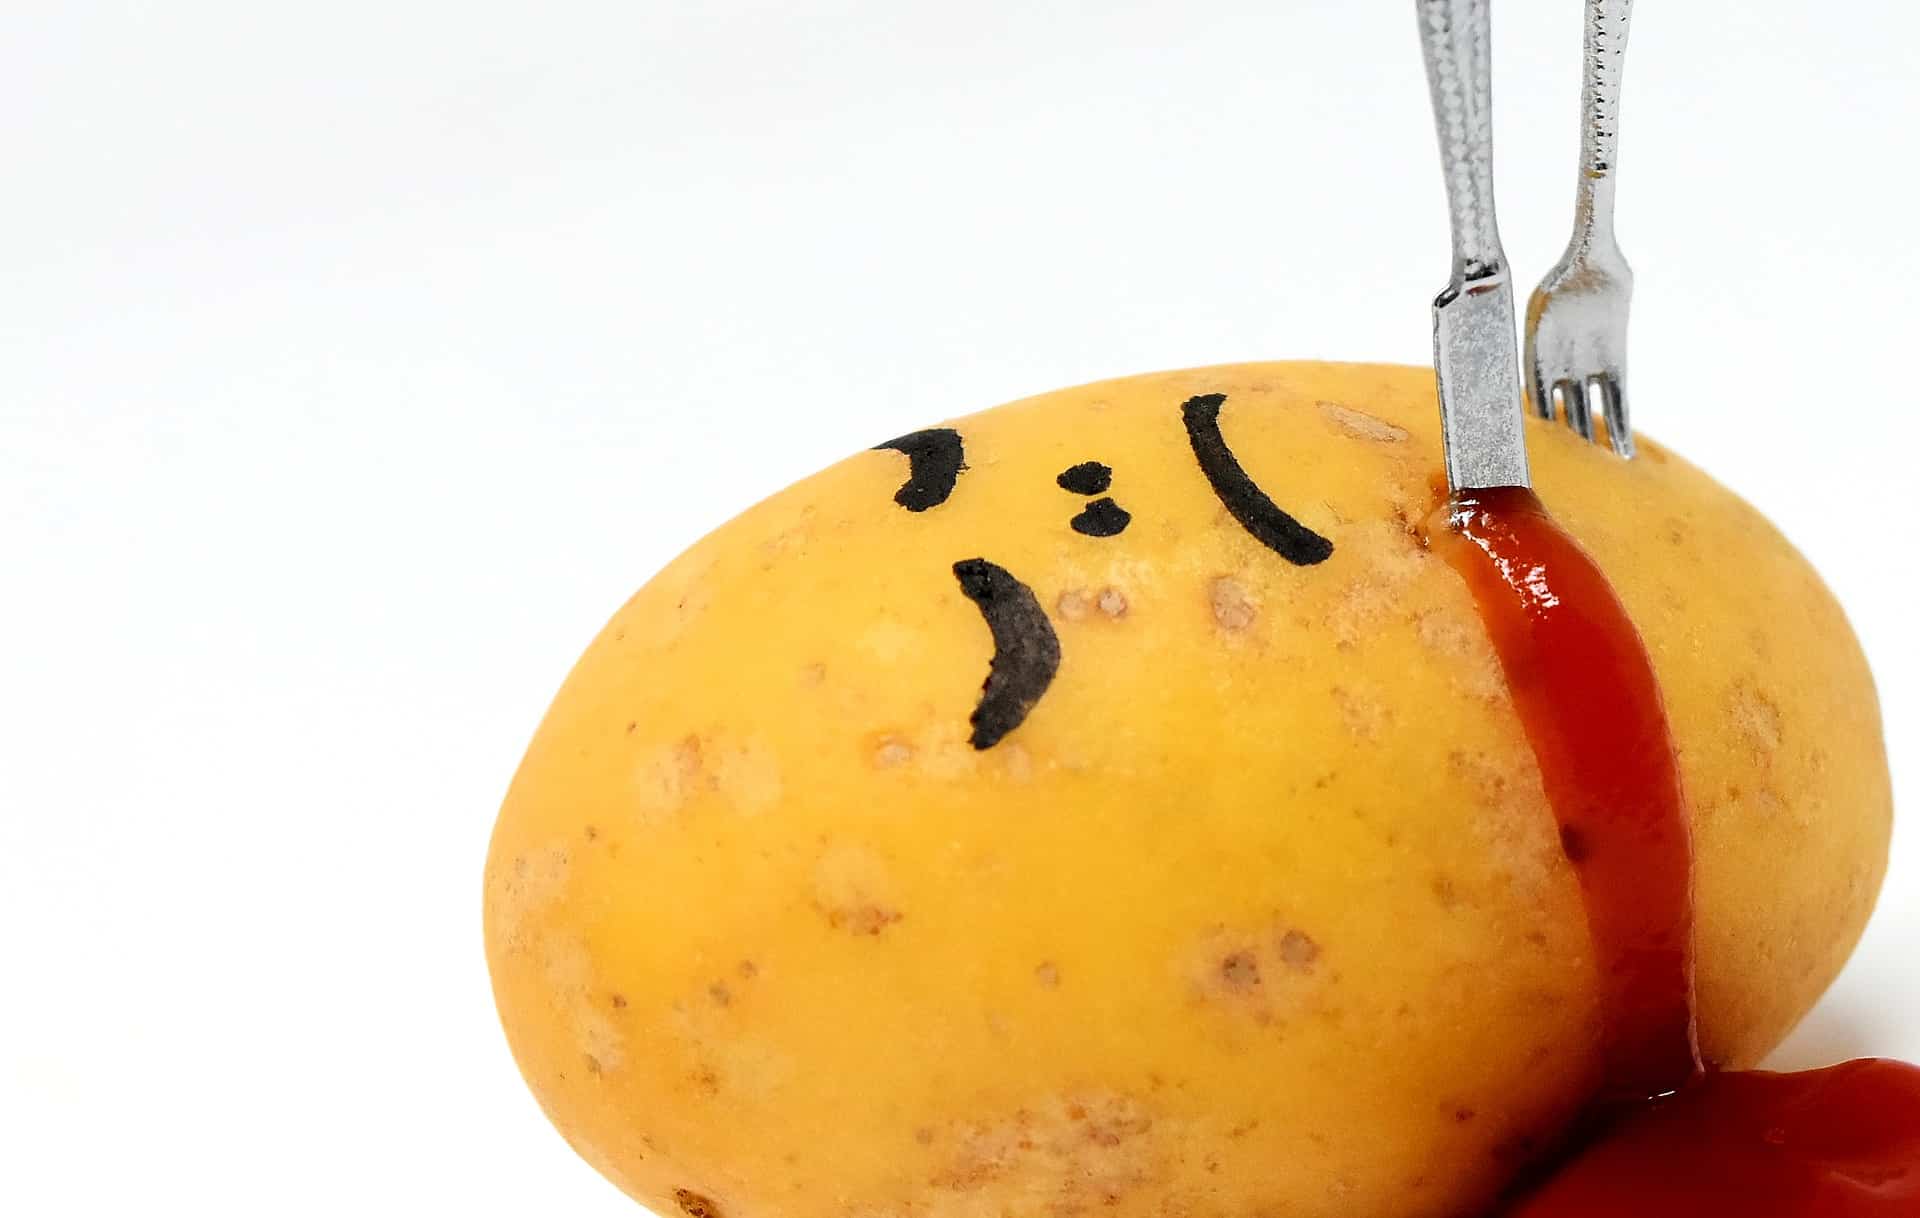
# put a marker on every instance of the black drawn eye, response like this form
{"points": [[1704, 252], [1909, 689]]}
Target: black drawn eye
{"points": [[1086, 478], [1103, 517]]}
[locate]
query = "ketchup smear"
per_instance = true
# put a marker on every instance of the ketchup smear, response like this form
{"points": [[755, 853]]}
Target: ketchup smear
{"points": [[1678, 1138]]}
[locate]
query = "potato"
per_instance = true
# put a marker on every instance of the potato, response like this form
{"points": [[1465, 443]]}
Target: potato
{"points": [[1231, 891]]}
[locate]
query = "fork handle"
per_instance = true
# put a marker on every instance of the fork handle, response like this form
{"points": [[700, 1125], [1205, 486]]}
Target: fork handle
{"points": [[1456, 41], [1604, 61]]}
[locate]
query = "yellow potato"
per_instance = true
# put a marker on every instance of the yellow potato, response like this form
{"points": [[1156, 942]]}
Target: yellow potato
{"points": [[1255, 909]]}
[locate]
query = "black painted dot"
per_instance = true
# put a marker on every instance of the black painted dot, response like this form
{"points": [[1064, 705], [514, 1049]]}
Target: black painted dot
{"points": [[1086, 478], [1573, 844], [1102, 518]]}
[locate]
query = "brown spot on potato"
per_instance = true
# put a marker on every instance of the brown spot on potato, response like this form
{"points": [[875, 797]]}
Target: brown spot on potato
{"points": [[1444, 632], [1233, 608], [1261, 974], [748, 970], [1384, 567], [1078, 604], [1516, 824], [667, 779], [569, 977], [1414, 529], [863, 919], [695, 1205], [1047, 974], [1298, 951], [1363, 714], [592, 1063], [618, 1002], [923, 1135], [854, 889], [1360, 425], [891, 753], [1078, 1153], [721, 995], [1461, 642], [1757, 718], [1515, 1148], [1240, 971], [742, 773], [1768, 804], [527, 885]]}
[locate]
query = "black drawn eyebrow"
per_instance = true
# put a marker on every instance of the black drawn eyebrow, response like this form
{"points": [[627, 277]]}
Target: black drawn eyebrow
{"points": [[935, 458], [1026, 651], [1237, 492]]}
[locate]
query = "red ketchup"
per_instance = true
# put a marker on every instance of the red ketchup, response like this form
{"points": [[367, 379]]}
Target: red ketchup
{"points": [[1679, 1140]]}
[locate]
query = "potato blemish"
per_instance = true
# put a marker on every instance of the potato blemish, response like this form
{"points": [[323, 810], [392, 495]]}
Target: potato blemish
{"points": [[1233, 606], [1264, 975], [1362, 426], [696, 1205], [1073, 1154], [852, 888]]}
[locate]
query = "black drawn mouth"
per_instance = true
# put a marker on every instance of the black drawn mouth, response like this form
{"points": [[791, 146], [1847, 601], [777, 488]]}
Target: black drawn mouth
{"points": [[1026, 651]]}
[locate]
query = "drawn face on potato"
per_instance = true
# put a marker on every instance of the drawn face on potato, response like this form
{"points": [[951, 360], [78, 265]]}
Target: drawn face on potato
{"points": [[1026, 650], [1241, 879]]}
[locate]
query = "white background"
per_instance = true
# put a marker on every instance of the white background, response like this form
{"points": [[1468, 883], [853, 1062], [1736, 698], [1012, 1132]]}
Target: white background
{"points": [[356, 360]]}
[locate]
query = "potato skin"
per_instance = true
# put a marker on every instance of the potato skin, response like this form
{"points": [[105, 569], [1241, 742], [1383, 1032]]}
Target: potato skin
{"points": [[1259, 912]]}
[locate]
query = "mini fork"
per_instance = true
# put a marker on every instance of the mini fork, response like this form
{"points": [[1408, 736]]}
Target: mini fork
{"points": [[1576, 346]]}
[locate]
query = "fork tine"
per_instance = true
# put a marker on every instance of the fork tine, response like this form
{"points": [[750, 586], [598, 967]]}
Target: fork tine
{"points": [[1609, 393], [1539, 395], [1592, 392], [1577, 408], [1554, 399]]}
